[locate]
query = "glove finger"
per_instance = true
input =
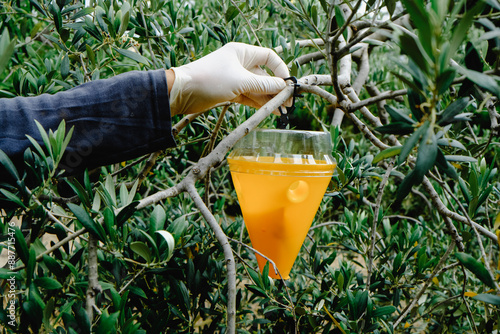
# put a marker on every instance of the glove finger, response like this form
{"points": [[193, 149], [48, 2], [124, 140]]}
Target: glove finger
{"points": [[252, 56], [262, 84], [242, 99], [256, 101]]}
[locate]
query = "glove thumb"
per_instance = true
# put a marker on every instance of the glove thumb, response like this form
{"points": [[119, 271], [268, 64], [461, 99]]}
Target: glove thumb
{"points": [[262, 84]]}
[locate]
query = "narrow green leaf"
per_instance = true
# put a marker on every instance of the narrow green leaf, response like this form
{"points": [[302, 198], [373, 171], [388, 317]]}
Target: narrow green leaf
{"points": [[451, 143], [99, 13], [397, 128], [45, 137], [66, 140], [109, 185], [361, 302], [80, 191], [485, 81], [391, 6], [107, 322], [124, 24], [90, 54], [452, 110], [405, 187], [340, 19], [92, 29], [56, 15], [231, 13], [398, 116], [131, 194], [157, 220], [84, 218], [6, 50], [411, 142], [84, 12], [476, 267], [383, 310], [38, 7], [178, 227], [48, 283], [488, 298], [291, 6], [123, 194], [256, 290], [445, 166], [126, 212], [109, 222], [387, 153], [21, 245], [461, 158], [169, 238], [133, 55], [445, 80], [52, 265], [187, 30], [71, 8], [151, 241], [460, 32], [141, 249], [11, 197], [8, 165], [412, 47], [465, 189], [427, 153], [420, 17], [30, 266]]}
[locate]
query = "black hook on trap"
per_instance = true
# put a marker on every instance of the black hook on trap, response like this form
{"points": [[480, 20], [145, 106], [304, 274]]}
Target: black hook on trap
{"points": [[284, 120]]}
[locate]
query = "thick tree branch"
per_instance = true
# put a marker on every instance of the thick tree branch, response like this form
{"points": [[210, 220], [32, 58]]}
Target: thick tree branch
{"points": [[93, 278], [228, 255]]}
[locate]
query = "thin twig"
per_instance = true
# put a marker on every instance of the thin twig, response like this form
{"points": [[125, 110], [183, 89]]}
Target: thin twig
{"points": [[410, 306], [55, 247], [249, 25], [375, 222], [443, 210], [131, 280]]}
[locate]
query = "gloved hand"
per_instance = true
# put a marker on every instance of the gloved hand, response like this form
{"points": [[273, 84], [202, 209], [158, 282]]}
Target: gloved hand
{"points": [[232, 73]]}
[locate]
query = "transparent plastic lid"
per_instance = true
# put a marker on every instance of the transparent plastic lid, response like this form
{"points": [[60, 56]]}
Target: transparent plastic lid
{"points": [[285, 151]]}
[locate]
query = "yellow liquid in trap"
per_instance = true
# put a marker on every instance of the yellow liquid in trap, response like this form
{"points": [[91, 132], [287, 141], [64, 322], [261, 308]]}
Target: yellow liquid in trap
{"points": [[279, 202]]}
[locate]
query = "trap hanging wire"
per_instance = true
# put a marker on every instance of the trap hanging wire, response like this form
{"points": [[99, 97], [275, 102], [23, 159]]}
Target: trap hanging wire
{"points": [[284, 120]]}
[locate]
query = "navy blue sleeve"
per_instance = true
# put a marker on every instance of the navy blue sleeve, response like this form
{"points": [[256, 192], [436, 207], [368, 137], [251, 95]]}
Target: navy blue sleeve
{"points": [[114, 120]]}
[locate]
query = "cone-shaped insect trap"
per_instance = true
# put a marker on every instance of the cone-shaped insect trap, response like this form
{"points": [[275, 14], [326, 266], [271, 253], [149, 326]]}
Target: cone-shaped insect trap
{"points": [[280, 177]]}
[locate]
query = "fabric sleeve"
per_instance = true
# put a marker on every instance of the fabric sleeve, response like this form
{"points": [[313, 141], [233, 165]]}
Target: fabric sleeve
{"points": [[114, 120]]}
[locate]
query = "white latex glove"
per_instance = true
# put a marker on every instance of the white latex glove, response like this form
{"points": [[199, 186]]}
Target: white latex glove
{"points": [[232, 73]]}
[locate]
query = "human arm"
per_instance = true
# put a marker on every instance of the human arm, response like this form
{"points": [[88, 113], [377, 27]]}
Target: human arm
{"points": [[115, 119], [129, 115]]}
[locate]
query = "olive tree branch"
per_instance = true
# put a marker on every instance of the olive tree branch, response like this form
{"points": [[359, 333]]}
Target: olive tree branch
{"points": [[94, 287], [228, 255], [444, 211], [378, 203], [434, 273], [381, 96], [56, 246]]}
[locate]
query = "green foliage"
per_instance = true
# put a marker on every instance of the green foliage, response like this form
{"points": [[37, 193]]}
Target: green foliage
{"points": [[162, 270]]}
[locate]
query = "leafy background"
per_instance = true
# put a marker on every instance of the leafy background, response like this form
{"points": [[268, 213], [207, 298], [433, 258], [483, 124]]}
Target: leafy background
{"points": [[391, 248]]}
